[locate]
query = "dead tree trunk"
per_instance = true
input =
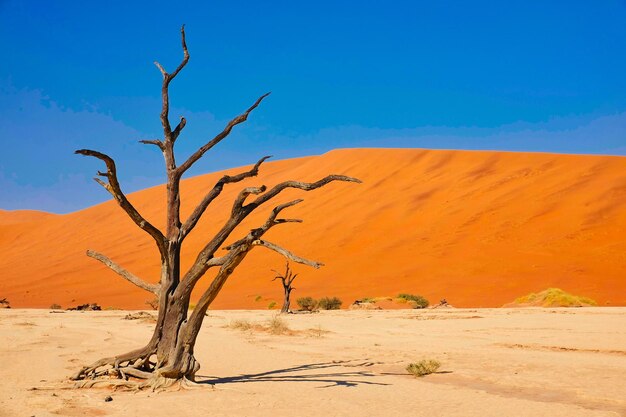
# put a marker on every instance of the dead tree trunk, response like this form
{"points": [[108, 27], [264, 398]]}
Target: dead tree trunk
{"points": [[287, 280], [169, 355]]}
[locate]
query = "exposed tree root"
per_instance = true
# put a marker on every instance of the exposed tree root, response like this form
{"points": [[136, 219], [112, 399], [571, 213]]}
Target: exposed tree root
{"points": [[155, 383], [134, 371], [135, 364]]}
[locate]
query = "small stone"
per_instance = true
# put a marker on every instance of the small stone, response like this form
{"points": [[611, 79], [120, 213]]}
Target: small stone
{"points": [[108, 398]]}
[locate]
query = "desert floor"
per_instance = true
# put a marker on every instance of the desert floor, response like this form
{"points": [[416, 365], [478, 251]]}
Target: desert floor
{"points": [[495, 362]]}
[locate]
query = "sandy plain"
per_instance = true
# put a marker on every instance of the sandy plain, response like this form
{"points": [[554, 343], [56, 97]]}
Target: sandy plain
{"points": [[495, 362]]}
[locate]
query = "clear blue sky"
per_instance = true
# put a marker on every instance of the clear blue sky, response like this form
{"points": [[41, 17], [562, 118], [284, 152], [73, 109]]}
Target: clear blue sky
{"points": [[512, 75]]}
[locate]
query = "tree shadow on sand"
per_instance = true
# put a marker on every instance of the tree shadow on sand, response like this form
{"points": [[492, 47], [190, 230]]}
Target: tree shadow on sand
{"points": [[323, 372]]}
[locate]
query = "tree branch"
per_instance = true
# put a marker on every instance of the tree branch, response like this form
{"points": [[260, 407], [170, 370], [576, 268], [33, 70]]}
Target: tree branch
{"points": [[241, 198], [287, 254], [217, 139], [167, 78], [160, 67], [124, 273], [216, 262], [155, 142], [260, 231], [277, 189], [179, 128], [113, 187], [193, 219], [185, 53], [286, 277]]}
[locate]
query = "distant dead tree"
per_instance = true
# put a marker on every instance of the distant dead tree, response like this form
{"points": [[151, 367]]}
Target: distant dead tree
{"points": [[169, 355], [287, 280]]}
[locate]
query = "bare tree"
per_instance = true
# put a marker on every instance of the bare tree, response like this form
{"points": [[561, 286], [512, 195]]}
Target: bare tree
{"points": [[287, 280], [169, 355]]}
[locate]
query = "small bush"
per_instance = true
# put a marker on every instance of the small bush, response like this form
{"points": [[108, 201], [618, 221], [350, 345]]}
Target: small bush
{"points": [[418, 300], [328, 303], [271, 305], [423, 367], [307, 303], [278, 326], [240, 325], [55, 306], [368, 300], [258, 298]]}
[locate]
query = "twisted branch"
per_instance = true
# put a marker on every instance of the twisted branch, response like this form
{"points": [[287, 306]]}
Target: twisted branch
{"points": [[113, 187], [306, 186]]}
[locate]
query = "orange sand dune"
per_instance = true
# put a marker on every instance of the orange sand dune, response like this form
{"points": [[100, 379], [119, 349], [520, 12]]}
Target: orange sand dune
{"points": [[478, 228], [22, 216]]}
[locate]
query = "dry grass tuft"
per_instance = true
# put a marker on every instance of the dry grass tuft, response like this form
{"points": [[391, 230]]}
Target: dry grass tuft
{"points": [[317, 331], [554, 297], [243, 325], [423, 367], [276, 325]]}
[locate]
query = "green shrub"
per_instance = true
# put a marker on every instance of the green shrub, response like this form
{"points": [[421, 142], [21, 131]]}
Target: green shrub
{"points": [[307, 303], [55, 306], [258, 298], [423, 367], [271, 305], [328, 303], [420, 302]]}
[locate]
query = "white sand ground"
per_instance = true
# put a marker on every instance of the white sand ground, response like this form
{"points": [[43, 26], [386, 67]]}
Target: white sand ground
{"points": [[495, 362]]}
